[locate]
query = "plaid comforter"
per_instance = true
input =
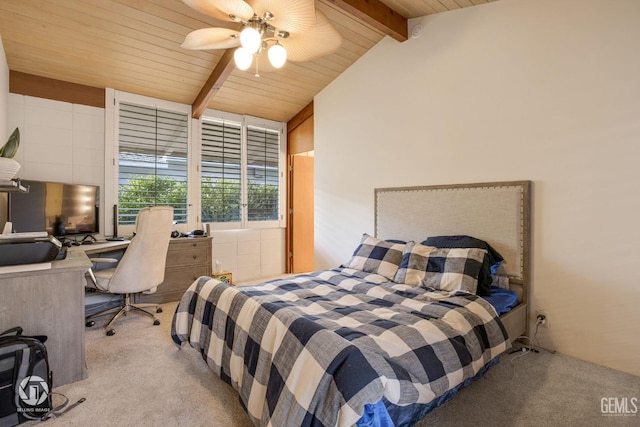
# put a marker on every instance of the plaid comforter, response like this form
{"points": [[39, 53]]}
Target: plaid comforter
{"points": [[315, 349]]}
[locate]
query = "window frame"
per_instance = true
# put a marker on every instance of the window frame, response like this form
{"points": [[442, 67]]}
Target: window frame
{"points": [[111, 170], [112, 107], [246, 121]]}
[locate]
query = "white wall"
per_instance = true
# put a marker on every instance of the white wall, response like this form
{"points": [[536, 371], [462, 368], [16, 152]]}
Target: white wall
{"points": [[59, 141], [4, 93], [541, 90], [250, 254]]}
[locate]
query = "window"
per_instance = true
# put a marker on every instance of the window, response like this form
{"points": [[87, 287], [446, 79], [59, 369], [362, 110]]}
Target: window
{"points": [[152, 160], [224, 169], [241, 180]]}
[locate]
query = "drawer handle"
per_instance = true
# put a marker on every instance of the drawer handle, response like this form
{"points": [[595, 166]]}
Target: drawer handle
{"points": [[195, 256]]}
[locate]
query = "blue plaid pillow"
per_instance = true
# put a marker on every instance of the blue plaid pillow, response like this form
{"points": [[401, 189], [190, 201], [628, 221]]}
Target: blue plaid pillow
{"points": [[377, 256], [491, 262], [448, 269]]}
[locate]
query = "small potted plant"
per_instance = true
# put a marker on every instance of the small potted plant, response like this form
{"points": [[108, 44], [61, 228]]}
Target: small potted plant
{"points": [[9, 167]]}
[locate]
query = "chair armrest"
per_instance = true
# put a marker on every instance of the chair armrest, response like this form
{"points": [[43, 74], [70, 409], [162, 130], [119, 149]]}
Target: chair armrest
{"points": [[104, 260], [95, 262]]}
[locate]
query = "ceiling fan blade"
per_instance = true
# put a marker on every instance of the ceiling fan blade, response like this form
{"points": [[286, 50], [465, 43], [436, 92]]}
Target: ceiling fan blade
{"points": [[211, 38], [289, 15], [221, 9], [322, 39]]}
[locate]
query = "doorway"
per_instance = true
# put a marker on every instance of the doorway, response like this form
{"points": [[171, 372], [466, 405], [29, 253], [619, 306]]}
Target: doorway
{"points": [[300, 224]]}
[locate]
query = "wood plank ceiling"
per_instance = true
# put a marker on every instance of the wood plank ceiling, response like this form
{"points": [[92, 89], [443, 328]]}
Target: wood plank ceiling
{"points": [[134, 46]]}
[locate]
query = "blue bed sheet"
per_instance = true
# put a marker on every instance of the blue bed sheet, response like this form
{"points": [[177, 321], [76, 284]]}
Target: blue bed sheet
{"points": [[501, 299], [377, 415]]}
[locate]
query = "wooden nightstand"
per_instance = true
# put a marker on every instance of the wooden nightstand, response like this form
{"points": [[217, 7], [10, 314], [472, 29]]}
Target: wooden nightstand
{"points": [[223, 276]]}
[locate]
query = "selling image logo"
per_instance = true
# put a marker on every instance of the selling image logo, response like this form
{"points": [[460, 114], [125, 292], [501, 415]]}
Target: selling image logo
{"points": [[619, 406], [33, 390]]}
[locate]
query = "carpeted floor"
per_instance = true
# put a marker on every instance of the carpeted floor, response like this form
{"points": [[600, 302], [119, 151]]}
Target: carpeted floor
{"points": [[138, 377]]}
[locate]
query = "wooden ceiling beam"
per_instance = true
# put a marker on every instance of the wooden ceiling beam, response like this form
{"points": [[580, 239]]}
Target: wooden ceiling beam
{"points": [[299, 118], [223, 68], [378, 15], [44, 87]]}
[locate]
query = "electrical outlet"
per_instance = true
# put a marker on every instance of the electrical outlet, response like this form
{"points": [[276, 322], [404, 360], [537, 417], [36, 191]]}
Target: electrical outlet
{"points": [[545, 318]]}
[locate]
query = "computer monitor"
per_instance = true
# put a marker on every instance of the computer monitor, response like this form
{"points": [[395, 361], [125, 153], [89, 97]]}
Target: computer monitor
{"points": [[62, 210]]}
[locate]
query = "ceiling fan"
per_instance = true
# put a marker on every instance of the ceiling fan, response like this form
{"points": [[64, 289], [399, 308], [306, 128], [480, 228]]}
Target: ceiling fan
{"points": [[285, 29]]}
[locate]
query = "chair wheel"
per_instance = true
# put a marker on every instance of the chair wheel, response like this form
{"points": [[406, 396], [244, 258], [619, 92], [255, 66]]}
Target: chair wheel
{"points": [[159, 310], [111, 332], [156, 322], [90, 323]]}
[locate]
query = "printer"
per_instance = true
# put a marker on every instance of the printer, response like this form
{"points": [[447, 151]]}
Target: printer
{"points": [[28, 248]]}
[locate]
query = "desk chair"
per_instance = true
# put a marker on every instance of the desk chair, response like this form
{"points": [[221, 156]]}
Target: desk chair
{"points": [[141, 268]]}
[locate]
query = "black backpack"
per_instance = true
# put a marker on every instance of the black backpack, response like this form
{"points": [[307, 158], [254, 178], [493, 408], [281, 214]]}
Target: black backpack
{"points": [[25, 378]]}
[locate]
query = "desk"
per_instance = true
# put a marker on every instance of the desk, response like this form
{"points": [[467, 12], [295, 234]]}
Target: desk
{"points": [[101, 247], [187, 259], [50, 302]]}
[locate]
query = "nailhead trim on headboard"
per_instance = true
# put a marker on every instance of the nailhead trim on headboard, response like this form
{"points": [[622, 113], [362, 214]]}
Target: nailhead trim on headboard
{"points": [[415, 206]]}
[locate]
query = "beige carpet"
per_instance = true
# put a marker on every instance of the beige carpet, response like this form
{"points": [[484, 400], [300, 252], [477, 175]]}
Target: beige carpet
{"points": [[138, 377]]}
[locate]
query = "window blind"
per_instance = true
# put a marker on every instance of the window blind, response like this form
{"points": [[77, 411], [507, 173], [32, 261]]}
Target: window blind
{"points": [[152, 161], [263, 147], [221, 171]]}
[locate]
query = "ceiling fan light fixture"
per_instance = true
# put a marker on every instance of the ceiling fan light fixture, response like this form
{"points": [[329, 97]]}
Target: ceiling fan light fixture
{"points": [[277, 55], [261, 24], [243, 58], [250, 39]]}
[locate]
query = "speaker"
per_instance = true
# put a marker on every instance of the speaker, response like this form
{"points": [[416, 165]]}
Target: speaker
{"points": [[115, 226]]}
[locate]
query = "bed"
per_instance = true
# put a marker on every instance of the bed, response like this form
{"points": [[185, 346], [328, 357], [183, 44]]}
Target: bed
{"points": [[351, 345], [497, 212]]}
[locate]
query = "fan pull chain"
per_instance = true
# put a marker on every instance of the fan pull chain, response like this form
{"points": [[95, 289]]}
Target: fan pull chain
{"points": [[257, 74]]}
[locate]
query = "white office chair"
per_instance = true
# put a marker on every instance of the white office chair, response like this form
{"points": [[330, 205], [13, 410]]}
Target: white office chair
{"points": [[141, 268]]}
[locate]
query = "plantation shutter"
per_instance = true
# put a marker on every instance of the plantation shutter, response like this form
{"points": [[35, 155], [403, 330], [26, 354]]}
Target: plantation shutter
{"points": [[221, 171], [263, 148], [152, 161]]}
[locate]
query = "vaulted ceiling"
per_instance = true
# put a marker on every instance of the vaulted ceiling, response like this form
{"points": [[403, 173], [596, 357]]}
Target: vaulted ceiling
{"points": [[134, 46]]}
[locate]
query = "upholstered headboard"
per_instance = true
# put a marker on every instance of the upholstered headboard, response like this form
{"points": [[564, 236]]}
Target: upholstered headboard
{"points": [[497, 212]]}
